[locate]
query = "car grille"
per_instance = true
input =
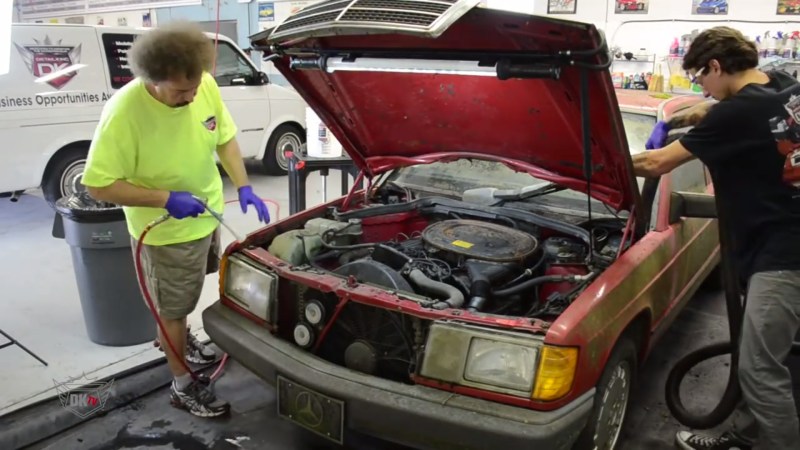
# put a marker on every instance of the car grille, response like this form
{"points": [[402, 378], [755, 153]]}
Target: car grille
{"points": [[364, 338], [336, 17]]}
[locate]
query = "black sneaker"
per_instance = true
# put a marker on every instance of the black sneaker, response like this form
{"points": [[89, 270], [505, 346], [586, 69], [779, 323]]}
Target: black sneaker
{"points": [[198, 399], [689, 441]]}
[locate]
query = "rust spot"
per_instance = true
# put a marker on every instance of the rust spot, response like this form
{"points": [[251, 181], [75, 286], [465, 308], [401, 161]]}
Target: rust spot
{"points": [[351, 281], [448, 89]]}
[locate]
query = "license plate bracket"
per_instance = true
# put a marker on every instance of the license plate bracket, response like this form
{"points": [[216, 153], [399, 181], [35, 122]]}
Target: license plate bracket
{"points": [[310, 409]]}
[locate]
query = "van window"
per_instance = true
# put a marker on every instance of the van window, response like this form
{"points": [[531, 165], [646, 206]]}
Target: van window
{"points": [[116, 46], [230, 65]]}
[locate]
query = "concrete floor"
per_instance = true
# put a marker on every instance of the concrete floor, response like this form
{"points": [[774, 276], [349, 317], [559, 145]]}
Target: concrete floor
{"points": [[43, 311], [42, 308], [149, 423]]}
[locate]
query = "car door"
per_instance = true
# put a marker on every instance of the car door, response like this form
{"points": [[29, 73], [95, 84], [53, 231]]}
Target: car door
{"points": [[690, 243], [245, 95]]}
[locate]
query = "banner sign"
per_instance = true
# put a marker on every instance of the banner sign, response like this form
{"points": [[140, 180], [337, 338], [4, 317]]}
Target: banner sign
{"points": [[44, 9]]}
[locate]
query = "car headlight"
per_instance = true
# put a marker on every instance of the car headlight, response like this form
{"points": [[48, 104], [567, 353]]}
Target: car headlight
{"points": [[251, 287], [495, 360], [501, 364]]}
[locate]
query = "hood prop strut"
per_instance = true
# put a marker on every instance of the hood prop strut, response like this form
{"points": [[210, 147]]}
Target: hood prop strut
{"points": [[587, 153]]}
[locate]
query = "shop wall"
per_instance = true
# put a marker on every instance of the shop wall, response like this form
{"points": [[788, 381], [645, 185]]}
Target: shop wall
{"points": [[245, 14], [664, 20], [649, 33], [139, 18]]}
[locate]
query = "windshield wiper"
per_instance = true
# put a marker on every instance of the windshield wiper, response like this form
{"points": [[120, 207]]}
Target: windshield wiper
{"points": [[490, 196]]}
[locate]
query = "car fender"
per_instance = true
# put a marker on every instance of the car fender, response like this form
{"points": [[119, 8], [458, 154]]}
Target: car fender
{"points": [[617, 299]]}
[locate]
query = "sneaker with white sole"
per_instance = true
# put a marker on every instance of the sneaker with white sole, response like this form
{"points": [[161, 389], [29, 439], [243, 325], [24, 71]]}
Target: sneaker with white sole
{"points": [[727, 441], [199, 399], [196, 351]]}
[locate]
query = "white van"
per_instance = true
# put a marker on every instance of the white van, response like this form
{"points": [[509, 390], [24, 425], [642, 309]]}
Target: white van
{"points": [[60, 77]]}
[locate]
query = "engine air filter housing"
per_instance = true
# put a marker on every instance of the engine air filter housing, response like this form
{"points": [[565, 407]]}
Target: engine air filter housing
{"points": [[480, 240]]}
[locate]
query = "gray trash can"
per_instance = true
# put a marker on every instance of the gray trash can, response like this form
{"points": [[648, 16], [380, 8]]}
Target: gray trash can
{"points": [[114, 310]]}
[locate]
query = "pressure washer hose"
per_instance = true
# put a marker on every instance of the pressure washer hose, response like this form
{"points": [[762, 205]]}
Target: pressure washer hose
{"points": [[147, 294]]}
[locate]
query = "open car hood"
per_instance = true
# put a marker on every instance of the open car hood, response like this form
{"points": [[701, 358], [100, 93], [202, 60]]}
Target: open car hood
{"points": [[405, 82]]}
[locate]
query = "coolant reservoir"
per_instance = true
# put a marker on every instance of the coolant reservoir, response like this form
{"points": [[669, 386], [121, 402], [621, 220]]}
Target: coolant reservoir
{"points": [[297, 247]]}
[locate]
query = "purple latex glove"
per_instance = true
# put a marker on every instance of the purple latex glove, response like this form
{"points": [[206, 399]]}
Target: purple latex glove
{"points": [[247, 197], [181, 205], [658, 137]]}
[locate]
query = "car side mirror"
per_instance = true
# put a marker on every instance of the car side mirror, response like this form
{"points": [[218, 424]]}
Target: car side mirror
{"points": [[693, 205], [262, 78]]}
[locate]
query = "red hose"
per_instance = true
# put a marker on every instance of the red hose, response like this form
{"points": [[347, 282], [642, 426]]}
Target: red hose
{"points": [[148, 298]]}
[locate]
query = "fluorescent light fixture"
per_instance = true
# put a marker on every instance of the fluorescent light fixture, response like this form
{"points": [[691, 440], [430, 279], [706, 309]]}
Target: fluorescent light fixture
{"points": [[6, 13], [439, 67]]}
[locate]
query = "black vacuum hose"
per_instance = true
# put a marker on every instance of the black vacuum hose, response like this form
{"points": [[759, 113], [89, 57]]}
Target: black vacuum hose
{"points": [[735, 304]]}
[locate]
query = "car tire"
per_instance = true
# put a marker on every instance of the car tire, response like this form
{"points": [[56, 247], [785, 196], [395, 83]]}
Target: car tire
{"points": [[286, 135], [603, 431], [63, 174]]}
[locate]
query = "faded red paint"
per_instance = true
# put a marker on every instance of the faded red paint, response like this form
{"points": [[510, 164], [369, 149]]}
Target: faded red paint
{"points": [[387, 120], [421, 117]]}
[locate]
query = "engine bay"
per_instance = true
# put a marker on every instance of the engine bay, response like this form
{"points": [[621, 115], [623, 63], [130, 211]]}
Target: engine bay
{"points": [[447, 253]]}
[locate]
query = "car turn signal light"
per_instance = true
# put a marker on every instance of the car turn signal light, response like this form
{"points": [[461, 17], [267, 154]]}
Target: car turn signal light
{"points": [[556, 373]]}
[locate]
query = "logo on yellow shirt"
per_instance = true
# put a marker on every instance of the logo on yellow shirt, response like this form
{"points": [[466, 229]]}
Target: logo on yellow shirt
{"points": [[210, 123]]}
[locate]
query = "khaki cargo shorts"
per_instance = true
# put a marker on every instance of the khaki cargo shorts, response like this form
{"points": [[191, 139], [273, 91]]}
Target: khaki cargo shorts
{"points": [[174, 274]]}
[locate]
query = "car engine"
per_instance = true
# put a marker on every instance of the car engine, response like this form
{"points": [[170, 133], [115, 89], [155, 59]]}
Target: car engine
{"points": [[444, 254]]}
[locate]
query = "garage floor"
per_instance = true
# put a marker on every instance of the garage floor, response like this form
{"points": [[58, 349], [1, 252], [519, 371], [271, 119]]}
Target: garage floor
{"points": [[149, 423], [42, 308]]}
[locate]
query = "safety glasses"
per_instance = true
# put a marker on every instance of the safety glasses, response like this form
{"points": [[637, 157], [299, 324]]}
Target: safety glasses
{"points": [[696, 76]]}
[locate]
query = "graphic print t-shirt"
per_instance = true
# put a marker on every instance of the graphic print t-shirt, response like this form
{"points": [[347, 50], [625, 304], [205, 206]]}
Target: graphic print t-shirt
{"points": [[745, 143]]}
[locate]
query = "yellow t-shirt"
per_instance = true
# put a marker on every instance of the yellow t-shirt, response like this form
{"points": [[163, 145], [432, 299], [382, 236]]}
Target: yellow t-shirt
{"points": [[149, 144]]}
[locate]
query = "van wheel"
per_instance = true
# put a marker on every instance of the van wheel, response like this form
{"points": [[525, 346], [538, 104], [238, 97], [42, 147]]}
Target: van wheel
{"points": [[286, 137], [611, 401], [64, 173]]}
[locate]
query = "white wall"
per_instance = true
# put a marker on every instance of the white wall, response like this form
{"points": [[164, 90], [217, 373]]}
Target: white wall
{"points": [[122, 18], [664, 21]]}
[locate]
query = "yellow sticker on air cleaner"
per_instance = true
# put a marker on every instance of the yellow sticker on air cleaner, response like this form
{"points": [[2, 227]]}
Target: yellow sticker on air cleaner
{"points": [[462, 244]]}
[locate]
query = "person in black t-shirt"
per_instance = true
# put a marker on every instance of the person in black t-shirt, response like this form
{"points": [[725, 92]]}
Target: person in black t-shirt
{"points": [[749, 141]]}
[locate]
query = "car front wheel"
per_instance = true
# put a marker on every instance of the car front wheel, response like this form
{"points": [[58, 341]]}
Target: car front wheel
{"points": [[286, 137], [604, 428]]}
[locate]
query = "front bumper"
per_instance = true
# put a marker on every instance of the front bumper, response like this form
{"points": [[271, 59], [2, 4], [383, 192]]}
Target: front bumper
{"points": [[416, 416]]}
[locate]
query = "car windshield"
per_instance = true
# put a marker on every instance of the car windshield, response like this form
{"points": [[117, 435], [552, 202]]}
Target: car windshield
{"points": [[453, 178]]}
